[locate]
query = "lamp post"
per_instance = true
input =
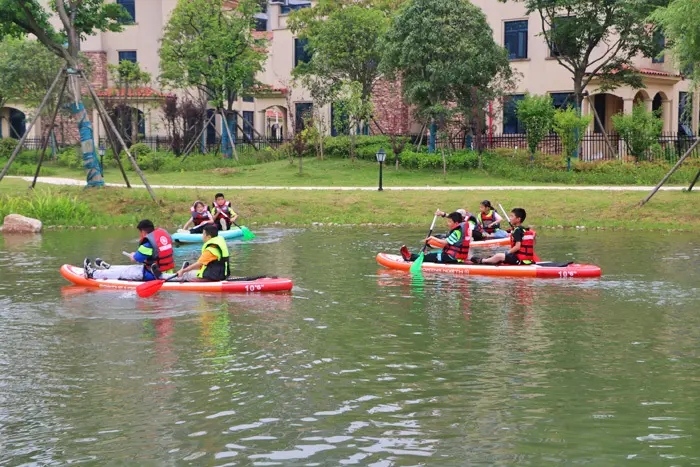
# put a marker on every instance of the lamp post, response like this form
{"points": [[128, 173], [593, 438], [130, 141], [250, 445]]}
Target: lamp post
{"points": [[101, 150], [381, 157]]}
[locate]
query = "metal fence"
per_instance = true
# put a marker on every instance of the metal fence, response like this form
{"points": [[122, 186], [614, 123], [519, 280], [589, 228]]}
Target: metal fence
{"points": [[211, 146], [594, 146]]}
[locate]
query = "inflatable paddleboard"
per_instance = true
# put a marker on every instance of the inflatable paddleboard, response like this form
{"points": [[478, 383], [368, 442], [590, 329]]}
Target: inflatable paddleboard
{"points": [[539, 270], [267, 284], [182, 237]]}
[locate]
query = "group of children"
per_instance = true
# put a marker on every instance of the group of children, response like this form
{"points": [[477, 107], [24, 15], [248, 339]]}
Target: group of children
{"points": [[220, 213], [465, 227]]}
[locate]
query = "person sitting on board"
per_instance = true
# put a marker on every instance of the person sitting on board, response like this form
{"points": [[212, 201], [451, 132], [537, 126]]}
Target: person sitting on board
{"points": [[155, 255], [476, 234], [200, 216], [224, 215], [455, 248], [489, 221], [213, 263], [522, 244]]}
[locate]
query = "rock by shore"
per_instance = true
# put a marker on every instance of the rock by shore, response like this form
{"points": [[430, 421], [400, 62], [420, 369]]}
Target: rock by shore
{"points": [[17, 224]]}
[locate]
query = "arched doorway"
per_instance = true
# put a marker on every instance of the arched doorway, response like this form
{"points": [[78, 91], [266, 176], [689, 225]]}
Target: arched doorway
{"points": [[657, 103], [641, 98], [275, 123], [17, 124]]}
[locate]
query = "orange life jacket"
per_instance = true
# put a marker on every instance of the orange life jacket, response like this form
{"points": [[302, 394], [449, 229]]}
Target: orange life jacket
{"points": [[162, 246], [527, 246], [199, 217]]}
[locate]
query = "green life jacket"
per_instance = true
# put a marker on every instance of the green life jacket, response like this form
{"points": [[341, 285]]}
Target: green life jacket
{"points": [[216, 270]]}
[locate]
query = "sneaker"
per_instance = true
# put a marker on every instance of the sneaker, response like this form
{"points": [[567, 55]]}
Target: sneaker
{"points": [[155, 270], [475, 260], [405, 253], [102, 264], [88, 270]]}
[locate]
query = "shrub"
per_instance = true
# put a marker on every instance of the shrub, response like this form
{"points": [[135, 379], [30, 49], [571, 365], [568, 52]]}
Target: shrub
{"points": [[7, 145], [140, 149], [456, 160], [339, 146], [570, 127], [537, 115], [49, 208], [71, 158], [640, 130]]}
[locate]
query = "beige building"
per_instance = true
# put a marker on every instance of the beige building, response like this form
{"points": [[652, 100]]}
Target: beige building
{"points": [[265, 113]]}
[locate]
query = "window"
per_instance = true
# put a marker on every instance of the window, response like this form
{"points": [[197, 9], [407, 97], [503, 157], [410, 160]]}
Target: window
{"points": [[301, 54], [260, 24], [127, 55], [302, 112], [248, 99], [685, 106], [130, 7], [511, 124], [516, 39], [248, 124], [339, 119], [562, 100], [660, 42], [286, 9]]}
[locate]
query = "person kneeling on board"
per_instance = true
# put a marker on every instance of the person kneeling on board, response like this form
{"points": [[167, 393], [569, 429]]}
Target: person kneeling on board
{"points": [[455, 248], [155, 253], [470, 219], [522, 244], [213, 264], [199, 217]]}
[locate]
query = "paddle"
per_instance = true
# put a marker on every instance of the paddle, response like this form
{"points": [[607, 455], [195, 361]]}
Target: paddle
{"points": [[418, 263], [535, 257], [247, 234], [149, 288]]}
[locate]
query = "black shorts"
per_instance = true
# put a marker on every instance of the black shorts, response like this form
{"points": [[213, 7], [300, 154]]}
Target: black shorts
{"points": [[512, 259]]}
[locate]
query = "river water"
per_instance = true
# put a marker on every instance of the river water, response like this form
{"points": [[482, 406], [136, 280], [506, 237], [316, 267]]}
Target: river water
{"points": [[358, 365]]}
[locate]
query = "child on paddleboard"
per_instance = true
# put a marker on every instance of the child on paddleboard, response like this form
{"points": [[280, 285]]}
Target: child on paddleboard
{"points": [[199, 217], [522, 244], [224, 215], [489, 221]]}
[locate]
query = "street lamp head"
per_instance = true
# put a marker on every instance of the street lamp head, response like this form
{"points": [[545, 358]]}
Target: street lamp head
{"points": [[381, 155], [102, 150]]}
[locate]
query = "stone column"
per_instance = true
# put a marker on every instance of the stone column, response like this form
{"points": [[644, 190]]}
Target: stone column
{"points": [[259, 122], [627, 106], [667, 114], [696, 112], [648, 104]]}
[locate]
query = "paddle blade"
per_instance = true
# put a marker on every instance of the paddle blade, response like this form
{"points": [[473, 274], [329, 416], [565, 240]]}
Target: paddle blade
{"points": [[418, 263], [247, 234], [149, 288]]}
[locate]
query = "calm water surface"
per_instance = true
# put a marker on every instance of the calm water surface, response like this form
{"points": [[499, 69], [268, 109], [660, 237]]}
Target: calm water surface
{"points": [[358, 365]]}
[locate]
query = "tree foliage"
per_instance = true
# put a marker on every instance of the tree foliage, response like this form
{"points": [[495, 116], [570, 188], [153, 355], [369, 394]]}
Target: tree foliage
{"points": [[640, 130], [570, 127], [597, 38], [679, 22], [537, 115], [213, 49], [444, 51]]}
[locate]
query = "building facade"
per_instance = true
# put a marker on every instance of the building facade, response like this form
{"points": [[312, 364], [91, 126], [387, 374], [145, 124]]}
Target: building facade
{"points": [[270, 110]]}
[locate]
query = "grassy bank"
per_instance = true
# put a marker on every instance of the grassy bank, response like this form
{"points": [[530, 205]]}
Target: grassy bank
{"points": [[118, 207]]}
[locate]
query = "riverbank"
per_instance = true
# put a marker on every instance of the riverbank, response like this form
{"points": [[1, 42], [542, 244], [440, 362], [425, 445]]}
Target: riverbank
{"points": [[123, 208]]}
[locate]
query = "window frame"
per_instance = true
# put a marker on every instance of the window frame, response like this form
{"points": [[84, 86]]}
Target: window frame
{"points": [[133, 8], [120, 59], [306, 54], [517, 35]]}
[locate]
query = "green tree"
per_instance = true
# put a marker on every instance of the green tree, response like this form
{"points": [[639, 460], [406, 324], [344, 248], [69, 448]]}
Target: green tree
{"points": [[444, 52], [352, 111], [569, 125], [343, 40], [679, 22], [77, 19], [537, 115], [215, 51], [640, 130], [127, 77], [597, 38]]}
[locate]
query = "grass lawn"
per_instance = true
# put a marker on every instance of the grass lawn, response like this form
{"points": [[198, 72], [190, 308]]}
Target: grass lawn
{"points": [[122, 207], [329, 172]]}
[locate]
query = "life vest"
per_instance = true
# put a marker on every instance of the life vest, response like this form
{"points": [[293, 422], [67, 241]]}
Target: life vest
{"points": [[487, 219], [460, 250], [470, 219], [527, 246], [216, 270], [162, 246], [199, 217], [224, 212]]}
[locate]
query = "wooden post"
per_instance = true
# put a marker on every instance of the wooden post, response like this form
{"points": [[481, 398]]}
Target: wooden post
{"points": [[45, 142], [670, 172], [110, 123], [31, 125], [695, 180], [199, 135]]}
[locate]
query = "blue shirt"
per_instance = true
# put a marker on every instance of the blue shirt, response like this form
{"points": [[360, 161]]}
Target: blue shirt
{"points": [[140, 257]]}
